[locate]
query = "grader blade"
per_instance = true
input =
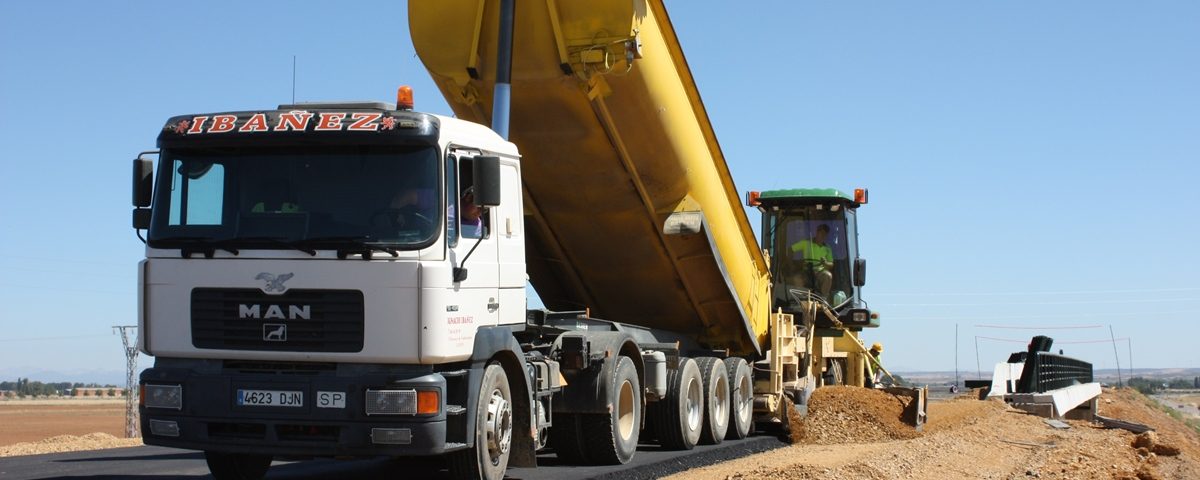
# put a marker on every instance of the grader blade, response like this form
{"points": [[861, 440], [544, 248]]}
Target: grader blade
{"points": [[917, 409]]}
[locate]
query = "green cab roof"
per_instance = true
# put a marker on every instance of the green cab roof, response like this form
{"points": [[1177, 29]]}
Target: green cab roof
{"points": [[805, 193]]}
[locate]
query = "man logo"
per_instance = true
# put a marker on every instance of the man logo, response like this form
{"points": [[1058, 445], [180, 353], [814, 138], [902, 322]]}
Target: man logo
{"points": [[274, 282], [274, 332], [275, 312]]}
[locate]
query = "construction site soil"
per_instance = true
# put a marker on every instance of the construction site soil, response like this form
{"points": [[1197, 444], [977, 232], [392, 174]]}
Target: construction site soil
{"points": [[853, 415], [849, 433], [856, 433]]}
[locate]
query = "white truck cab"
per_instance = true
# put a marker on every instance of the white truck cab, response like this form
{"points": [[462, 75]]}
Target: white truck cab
{"points": [[316, 278]]}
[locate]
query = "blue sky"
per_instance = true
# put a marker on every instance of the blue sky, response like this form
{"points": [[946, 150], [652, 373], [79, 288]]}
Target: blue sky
{"points": [[1030, 163]]}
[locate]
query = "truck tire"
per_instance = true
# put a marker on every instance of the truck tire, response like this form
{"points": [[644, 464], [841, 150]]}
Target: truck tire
{"points": [[566, 438], [681, 413], [237, 466], [715, 379], [488, 458], [612, 438], [741, 398]]}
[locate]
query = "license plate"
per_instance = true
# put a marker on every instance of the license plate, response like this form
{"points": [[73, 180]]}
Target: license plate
{"points": [[270, 398], [331, 400]]}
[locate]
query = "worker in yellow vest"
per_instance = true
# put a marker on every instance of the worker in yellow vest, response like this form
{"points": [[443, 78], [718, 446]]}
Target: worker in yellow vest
{"points": [[818, 260], [874, 373]]}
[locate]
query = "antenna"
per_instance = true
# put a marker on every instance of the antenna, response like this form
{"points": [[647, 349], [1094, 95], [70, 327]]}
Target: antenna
{"points": [[293, 79], [978, 371], [129, 339]]}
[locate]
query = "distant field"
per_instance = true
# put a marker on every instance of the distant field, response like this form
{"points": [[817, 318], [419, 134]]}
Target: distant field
{"points": [[34, 420]]}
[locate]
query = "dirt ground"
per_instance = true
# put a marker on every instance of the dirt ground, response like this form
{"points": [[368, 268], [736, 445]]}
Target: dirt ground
{"points": [[968, 438], [45, 426], [849, 433]]}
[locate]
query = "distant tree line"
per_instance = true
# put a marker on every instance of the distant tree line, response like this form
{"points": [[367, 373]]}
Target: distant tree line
{"points": [[1154, 385], [23, 387]]}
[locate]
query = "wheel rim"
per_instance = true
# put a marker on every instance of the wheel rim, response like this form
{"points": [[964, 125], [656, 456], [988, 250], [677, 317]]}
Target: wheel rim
{"points": [[498, 426], [745, 402], [625, 410], [720, 398], [694, 400]]}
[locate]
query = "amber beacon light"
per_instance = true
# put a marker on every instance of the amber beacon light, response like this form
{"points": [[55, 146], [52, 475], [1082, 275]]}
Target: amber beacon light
{"points": [[404, 98]]}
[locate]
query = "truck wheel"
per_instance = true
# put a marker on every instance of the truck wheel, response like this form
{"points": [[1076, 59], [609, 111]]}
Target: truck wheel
{"points": [[612, 438], [566, 437], [681, 413], [237, 466], [741, 398], [488, 458], [715, 378]]}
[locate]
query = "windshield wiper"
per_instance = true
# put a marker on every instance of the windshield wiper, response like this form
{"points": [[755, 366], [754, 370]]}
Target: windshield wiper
{"points": [[205, 245], [358, 245]]}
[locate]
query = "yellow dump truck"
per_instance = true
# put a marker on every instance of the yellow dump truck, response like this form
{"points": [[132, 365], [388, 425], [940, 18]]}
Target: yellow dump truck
{"points": [[348, 279]]}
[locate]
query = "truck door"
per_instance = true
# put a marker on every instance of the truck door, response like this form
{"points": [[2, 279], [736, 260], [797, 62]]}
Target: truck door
{"points": [[510, 243], [474, 249]]}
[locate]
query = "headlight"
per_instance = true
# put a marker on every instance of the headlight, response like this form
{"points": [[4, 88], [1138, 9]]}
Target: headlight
{"points": [[162, 396], [391, 402]]}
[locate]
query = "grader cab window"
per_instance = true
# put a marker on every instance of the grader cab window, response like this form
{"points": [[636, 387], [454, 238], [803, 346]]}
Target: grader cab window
{"points": [[811, 254]]}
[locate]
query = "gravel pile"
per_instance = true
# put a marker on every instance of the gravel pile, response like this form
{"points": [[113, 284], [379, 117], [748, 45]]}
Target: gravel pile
{"points": [[854, 415], [68, 443]]}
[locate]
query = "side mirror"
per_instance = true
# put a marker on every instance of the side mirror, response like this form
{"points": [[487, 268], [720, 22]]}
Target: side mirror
{"points": [[860, 272], [143, 190], [141, 219], [143, 181], [486, 178]]}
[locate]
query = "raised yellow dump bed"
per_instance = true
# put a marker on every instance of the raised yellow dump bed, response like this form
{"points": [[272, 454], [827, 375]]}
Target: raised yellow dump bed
{"points": [[610, 150]]}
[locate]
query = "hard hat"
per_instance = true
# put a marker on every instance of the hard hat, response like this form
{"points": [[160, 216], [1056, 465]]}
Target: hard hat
{"points": [[878, 347]]}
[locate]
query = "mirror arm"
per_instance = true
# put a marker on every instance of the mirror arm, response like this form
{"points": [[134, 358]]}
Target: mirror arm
{"points": [[459, 273]]}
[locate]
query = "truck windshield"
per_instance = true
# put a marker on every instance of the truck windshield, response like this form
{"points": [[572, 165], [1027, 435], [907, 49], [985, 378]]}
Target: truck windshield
{"points": [[810, 253], [307, 198]]}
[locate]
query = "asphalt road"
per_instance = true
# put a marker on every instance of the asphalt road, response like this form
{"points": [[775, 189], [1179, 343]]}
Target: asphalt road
{"points": [[158, 463]]}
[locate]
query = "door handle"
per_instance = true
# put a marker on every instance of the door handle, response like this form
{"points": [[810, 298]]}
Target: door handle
{"points": [[493, 306]]}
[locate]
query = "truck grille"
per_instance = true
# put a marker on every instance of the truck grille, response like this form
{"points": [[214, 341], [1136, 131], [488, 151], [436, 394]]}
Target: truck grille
{"points": [[297, 321]]}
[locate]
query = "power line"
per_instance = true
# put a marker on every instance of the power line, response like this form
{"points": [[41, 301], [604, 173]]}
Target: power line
{"points": [[1050, 316], [39, 339], [1079, 342], [1066, 302], [1056, 342], [122, 275], [59, 289], [1023, 294], [1009, 340], [73, 261], [1024, 327]]}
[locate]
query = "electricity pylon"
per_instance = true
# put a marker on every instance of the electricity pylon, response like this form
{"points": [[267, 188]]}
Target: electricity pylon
{"points": [[129, 339]]}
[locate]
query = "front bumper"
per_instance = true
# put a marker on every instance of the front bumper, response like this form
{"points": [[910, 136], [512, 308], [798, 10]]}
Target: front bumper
{"points": [[210, 419]]}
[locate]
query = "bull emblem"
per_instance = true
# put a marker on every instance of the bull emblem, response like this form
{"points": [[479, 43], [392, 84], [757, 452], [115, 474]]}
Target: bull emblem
{"points": [[274, 282], [274, 332]]}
